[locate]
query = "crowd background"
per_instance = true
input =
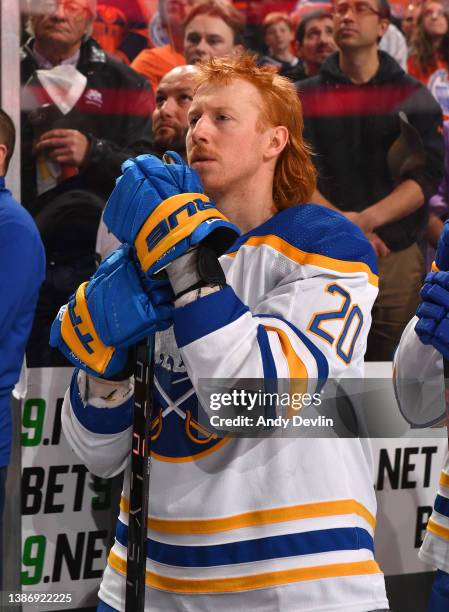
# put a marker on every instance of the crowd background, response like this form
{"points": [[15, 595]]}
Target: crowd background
{"points": [[91, 74]]}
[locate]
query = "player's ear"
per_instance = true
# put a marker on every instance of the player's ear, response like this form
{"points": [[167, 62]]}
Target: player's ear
{"points": [[278, 138], [3, 154]]}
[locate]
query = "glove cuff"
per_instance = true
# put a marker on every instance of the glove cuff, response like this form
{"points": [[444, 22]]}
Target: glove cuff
{"points": [[183, 272], [195, 269]]}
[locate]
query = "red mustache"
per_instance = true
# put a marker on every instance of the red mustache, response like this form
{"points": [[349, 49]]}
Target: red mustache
{"points": [[201, 153]]}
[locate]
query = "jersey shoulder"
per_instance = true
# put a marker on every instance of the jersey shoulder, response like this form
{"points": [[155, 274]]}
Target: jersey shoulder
{"points": [[317, 230]]}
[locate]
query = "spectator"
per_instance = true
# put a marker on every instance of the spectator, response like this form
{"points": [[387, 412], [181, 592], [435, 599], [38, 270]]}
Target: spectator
{"points": [[315, 42], [173, 98], [213, 28], [408, 24], [84, 114], [23, 265], [121, 28], [429, 61], [352, 120], [109, 30], [154, 63], [278, 37]]}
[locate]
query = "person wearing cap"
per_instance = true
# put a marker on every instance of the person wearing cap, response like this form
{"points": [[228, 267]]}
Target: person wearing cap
{"points": [[83, 114], [377, 135]]}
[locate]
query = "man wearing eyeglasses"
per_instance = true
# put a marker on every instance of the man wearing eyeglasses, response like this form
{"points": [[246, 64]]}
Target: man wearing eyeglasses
{"points": [[377, 134], [84, 113]]}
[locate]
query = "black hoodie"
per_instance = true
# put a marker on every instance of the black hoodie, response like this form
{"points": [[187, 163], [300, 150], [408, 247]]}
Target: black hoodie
{"points": [[352, 127]]}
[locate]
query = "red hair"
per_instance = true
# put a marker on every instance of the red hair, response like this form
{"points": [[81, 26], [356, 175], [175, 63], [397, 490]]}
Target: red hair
{"points": [[295, 175]]}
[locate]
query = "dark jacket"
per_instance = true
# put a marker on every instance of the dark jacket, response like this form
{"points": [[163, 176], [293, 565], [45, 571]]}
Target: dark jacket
{"points": [[292, 72], [114, 112], [352, 127]]}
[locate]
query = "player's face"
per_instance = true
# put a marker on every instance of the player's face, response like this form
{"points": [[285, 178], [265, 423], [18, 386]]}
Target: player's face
{"points": [[357, 24], [434, 20], [318, 42], [225, 142], [205, 37], [173, 99], [62, 21], [278, 37]]}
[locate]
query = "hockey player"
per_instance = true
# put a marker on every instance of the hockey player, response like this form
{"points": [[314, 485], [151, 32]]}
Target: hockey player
{"points": [[418, 368], [267, 524]]}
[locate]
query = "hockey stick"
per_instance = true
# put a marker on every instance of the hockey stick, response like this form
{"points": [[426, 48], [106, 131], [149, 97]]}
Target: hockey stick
{"points": [[139, 476], [140, 472]]}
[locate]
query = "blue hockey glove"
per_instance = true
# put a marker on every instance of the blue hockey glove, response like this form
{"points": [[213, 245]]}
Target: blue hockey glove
{"points": [[442, 254], [110, 313], [433, 325], [161, 209]]}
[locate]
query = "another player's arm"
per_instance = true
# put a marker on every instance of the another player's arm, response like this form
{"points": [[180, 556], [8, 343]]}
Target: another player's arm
{"points": [[418, 379]]}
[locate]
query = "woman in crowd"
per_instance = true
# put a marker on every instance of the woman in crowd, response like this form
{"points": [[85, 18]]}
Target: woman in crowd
{"points": [[429, 61]]}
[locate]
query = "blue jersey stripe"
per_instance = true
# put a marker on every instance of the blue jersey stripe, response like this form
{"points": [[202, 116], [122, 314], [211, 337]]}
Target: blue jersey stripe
{"points": [[269, 368], [194, 320], [442, 505], [260, 549], [100, 420], [321, 361]]}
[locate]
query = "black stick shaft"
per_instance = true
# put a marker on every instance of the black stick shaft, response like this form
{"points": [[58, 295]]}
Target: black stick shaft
{"points": [[139, 477]]}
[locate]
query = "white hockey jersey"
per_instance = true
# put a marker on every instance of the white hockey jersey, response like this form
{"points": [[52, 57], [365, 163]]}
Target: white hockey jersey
{"points": [[424, 403], [252, 523]]}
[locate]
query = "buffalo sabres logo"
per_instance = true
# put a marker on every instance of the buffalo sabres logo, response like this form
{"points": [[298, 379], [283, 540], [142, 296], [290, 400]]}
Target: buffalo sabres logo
{"points": [[176, 432]]}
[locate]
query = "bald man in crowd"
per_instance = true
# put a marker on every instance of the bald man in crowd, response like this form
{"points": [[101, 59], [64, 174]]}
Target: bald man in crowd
{"points": [[173, 98]]}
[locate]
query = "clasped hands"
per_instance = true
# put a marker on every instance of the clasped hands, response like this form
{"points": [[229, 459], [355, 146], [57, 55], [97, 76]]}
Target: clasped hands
{"points": [[364, 221], [159, 212], [67, 147]]}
